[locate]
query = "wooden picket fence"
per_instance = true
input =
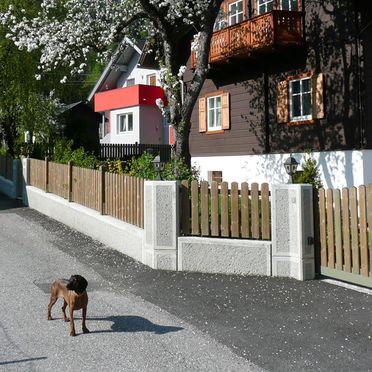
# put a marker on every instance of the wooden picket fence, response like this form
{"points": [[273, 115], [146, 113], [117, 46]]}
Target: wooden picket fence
{"points": [[6, 167], [214, 210], [345, 219], [116, 195]]}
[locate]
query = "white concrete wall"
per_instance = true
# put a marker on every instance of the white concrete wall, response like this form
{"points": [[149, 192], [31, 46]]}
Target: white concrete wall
{"points": [[130, 137], [338, 168], [227, 256], [114, 233]]}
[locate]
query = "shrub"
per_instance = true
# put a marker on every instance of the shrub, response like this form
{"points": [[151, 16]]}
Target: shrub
{"points": [[63, 153], [142, 167], [310, 174], [179, 170]]}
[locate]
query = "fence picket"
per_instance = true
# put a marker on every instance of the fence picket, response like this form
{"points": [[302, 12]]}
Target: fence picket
{"points": [[235, 210], [225, 231], [363, 231], [330, 228], [346, 229], [204, 201], [255, 211], [245, 210], [215, 230], [338, 232], [265, 211], [354, 229], [185, 207], [195, 208], [323, 227]]}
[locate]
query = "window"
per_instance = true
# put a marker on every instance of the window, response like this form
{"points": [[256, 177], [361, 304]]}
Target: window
{"points": [[264, 6], [130, 82], [214, 113], [220, 21], [151, 79], [300, 99], [236, 12], [289, 5], [215, 176], [125, 123]]}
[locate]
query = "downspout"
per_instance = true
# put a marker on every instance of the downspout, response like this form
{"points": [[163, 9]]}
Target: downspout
{"points": [[267, 114], [358, 33]]}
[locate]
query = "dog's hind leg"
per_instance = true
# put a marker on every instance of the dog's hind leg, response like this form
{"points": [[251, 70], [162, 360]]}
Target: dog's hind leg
{"points": [[53, 300], [64, 311], [85, 329]]}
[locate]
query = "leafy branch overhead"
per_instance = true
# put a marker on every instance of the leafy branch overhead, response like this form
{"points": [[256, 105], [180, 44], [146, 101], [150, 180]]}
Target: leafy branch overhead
{"points": [[67, 33]]}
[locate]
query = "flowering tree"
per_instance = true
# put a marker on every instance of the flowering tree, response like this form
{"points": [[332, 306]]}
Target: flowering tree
{"points": [[67, 31]]}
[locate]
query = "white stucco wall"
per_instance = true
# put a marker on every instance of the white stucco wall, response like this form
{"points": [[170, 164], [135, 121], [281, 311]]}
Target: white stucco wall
{"points": [[338, 168], [130, 137]]}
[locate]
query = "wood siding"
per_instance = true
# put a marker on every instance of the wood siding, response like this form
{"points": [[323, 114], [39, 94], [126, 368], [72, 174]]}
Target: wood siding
{"points": [[330, 50]]}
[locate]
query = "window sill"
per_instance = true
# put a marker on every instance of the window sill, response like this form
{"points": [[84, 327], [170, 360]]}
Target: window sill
{"points": [[219, 131], [301, 122]]}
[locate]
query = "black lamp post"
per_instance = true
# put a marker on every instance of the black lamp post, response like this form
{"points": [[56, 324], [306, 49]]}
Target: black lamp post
{"points": [[158, 166], [291, 167]]}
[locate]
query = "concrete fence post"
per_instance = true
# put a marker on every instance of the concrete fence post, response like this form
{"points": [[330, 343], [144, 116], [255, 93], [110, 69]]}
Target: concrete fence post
{"points": [[161, 224], [293, 231]]}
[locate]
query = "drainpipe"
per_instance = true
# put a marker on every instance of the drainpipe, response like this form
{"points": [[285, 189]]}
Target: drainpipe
{"points": [[267, 114], [358, 34]]}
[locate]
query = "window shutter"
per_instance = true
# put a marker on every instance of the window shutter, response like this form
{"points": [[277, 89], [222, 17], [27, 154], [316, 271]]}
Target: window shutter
{"points": [[254, 8], [282, 113], [225, 111], [202, 115], [318, 96]]}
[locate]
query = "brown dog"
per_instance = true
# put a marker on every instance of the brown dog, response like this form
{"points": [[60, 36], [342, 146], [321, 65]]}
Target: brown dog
{"points": [[74, 294]]}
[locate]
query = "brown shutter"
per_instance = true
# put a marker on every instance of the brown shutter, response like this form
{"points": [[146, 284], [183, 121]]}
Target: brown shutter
{"points": [[282, 113], [254, 8], [225, 111], [202, 115], [318, 96]]}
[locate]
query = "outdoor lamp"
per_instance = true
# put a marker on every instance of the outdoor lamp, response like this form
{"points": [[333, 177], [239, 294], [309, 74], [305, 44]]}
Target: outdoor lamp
{"points": [[158, 166], [290, 166]]}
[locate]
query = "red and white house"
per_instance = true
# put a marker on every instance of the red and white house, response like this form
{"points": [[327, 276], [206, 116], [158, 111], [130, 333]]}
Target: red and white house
{"points": [[125, 95]]}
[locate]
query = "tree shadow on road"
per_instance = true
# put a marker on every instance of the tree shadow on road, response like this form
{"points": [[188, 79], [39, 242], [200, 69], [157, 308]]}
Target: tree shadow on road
{"points": [[134, 324]]}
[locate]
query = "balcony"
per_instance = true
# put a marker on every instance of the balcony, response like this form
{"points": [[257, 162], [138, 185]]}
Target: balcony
{"points": [[135, 95], [254, 36]]}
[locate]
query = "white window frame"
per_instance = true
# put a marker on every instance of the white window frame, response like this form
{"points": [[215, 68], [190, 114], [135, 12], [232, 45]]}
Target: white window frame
{"points": [[290, 5], [215, 109], [264, 3], [237, 14], [125, 116], [301, 117]]}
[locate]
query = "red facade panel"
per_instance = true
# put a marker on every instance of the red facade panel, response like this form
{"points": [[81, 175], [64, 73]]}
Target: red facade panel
{"points": [[127, 97]]}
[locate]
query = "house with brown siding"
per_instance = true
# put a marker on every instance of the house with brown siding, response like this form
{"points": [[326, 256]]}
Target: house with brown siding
{"points": [[287, 77]]}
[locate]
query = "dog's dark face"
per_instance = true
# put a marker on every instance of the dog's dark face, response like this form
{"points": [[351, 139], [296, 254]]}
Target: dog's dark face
{"points": [[77, 283]]}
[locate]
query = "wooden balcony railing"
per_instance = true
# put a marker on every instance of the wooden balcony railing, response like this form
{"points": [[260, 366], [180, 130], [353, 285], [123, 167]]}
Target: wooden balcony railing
{"points": [[260, 33]]}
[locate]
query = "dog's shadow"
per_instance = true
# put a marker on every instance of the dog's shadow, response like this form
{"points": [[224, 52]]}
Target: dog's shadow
{"points": [[132, 323]]}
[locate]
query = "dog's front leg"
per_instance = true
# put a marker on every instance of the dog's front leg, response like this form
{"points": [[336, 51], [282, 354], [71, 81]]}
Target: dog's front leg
{"points": [[72, 325], [85, 329]]}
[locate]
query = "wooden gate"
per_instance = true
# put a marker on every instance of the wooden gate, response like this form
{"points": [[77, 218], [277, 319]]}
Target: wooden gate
{"points": [[345, 229]]}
